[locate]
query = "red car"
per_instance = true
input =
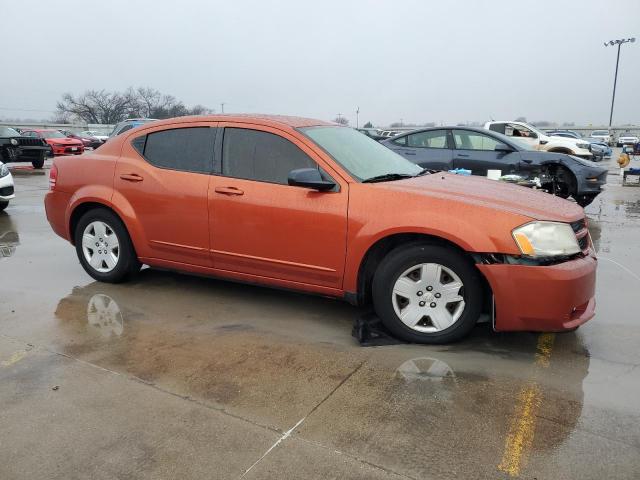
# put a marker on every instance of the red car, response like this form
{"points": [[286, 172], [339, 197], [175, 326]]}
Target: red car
{"points": [[59, 143]]}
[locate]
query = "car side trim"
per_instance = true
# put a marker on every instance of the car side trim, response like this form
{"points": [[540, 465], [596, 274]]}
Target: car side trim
{"points": [[273, 260], [178, 245]]}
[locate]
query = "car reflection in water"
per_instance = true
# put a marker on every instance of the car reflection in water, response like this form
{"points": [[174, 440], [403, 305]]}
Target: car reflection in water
{"points": [[9, 238]]}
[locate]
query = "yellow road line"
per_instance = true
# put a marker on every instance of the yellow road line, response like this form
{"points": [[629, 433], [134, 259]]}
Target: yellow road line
{"points": [[15, 358], [523, 422]]}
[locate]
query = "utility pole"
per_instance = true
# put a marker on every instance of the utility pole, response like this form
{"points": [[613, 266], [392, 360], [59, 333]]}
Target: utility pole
{"points": [[222, 107], [619, 43], [357, 117]]}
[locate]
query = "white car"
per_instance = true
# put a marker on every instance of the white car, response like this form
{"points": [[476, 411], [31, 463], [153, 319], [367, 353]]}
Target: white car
{"points": [[539, 140], [6, 186], [603, 135], [627, 139], [93, 133]]}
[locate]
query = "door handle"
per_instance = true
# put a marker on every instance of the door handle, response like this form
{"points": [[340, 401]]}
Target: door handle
{"points": [[229, 191], [462, 155], [131, 177]]}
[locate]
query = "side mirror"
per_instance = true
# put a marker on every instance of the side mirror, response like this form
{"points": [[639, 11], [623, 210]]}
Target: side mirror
{"points": [[309, 178], [503, 147]]}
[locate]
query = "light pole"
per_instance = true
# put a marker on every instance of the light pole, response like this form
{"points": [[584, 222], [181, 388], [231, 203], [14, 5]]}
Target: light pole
{"points": [[615, 79], [222, 107], [357, 117]]}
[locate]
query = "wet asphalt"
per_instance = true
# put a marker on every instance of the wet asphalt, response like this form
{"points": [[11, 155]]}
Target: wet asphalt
{"points": [[176, 376]]}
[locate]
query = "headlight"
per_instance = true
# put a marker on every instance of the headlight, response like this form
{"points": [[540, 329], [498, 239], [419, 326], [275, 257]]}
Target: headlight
{"points": [[546, 239], [14, 142], [583, 145], [4, 170]]}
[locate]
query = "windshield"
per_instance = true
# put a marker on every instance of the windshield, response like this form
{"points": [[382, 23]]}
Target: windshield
{"points": [[8, 132], [361, 156], [52, 134]]}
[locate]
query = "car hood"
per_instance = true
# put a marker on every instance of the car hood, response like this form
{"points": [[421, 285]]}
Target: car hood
{"points": [[64, 141], [490, 194]]}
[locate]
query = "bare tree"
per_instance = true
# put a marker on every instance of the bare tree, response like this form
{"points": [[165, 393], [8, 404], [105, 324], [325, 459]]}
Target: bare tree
{"points": [[100, 106], [341, 120]]}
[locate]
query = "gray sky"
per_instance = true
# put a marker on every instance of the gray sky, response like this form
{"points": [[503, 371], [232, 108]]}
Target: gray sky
{"points": [[446, 61]]}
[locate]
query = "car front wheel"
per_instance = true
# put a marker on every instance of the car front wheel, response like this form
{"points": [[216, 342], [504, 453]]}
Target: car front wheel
{"points": [[427, 293], [39, 162], [104, 247]]}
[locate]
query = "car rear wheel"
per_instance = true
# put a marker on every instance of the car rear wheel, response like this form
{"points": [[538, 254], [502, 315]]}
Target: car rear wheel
{"points": [[3, 205], [427, 293], [104, 247]]}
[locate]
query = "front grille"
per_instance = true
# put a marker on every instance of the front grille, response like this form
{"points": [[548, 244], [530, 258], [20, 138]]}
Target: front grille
{"points": [[6, 191], [579, 225], [29, 142], [583, 242]]}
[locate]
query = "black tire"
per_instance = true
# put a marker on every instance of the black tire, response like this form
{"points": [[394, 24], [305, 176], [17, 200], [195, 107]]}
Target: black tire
{"points": [[584, 200], [403, 258], [127, 264], [3, 205], [39, 162]]}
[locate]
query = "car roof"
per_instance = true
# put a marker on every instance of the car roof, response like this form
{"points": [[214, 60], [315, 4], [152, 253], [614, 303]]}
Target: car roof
{"points": [[264, 119]]}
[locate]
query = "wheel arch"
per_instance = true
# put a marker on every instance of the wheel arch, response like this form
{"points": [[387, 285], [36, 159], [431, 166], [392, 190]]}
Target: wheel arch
{"points": [[378, 250], [82, 208]]}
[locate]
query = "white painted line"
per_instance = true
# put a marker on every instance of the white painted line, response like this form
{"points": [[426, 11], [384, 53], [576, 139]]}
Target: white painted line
{"points": [[283, 437]]}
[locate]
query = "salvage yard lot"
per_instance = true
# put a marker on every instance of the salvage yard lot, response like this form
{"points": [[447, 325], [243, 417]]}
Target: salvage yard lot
{"points": [[175, 376]]}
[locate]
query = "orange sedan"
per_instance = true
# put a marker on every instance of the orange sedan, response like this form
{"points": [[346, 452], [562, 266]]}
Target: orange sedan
{"points": [[313, 206]]}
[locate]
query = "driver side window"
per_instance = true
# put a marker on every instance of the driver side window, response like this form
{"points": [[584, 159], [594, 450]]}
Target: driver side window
{"points": [[261, 156], [512, 130]]}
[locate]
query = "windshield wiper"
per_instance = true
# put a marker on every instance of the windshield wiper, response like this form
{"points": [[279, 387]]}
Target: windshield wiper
{"points": [[387, 177]]}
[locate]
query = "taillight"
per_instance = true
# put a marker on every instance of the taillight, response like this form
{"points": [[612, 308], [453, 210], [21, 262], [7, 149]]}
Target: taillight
{"points": [[53, 177]]}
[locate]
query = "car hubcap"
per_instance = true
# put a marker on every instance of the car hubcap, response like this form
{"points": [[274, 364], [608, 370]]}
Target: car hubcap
{"points": [[100, 246], [428, 297]]}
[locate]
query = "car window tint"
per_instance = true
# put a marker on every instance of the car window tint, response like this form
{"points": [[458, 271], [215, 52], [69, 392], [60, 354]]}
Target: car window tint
{"points": [[400, 141], [466, 140], [497, 127], [261, 156], [188, 149], [429, 139]]}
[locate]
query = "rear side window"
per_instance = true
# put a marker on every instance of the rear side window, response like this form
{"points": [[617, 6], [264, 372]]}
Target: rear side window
{"points": [[497, 127], [260, 156], [400, 141], [187, 149]]}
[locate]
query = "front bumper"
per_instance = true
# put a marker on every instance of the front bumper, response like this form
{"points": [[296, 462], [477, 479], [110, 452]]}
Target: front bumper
{"points": [[67, 149], [6, 188], [549, 298]]}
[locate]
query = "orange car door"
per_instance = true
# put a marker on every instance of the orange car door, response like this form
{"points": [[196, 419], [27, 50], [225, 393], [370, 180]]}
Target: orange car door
{"points": [[263, 227], [163, 176]]}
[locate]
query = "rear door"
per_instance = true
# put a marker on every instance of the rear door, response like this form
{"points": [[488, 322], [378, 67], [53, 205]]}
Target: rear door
{"points": [[476, 152], [429, 148], [263, 227], [163, 176]]}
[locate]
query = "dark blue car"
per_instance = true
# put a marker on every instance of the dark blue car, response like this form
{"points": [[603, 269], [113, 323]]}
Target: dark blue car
{"points": [[480, 150]]}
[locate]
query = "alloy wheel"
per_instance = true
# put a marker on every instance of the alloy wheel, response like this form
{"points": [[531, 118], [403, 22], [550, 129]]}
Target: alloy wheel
{"points": [[428, 297], [100, 246]]}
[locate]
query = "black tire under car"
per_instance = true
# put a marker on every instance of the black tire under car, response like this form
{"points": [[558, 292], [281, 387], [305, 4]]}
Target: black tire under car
{"points": [[401, 259], [39, 162], [128, 263], [3, 205]]}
